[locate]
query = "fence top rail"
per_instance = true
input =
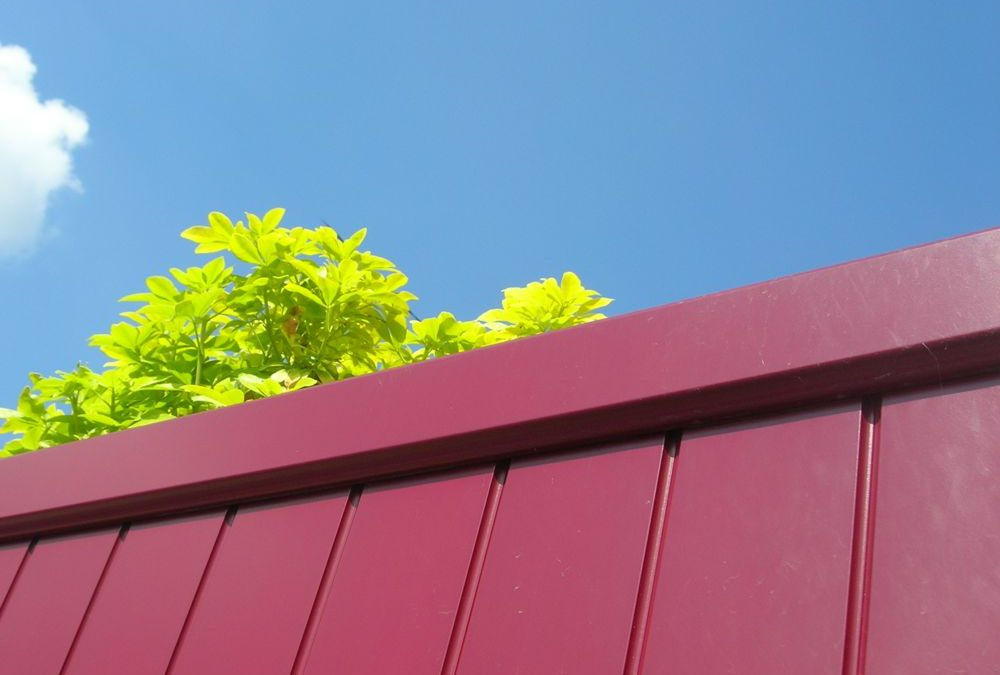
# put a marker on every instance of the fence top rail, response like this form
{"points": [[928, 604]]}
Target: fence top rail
{"points": [[918, 316]]}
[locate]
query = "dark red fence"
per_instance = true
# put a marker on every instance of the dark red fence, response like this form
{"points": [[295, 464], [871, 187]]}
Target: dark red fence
{"points": [[795, 477]]}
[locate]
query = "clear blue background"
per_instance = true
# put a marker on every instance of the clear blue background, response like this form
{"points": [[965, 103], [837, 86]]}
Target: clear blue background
{"points": [[661, 150]]}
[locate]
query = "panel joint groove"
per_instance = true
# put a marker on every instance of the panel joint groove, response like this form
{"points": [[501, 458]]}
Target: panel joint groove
{"points": [[227, 522], [464, 613], [17, 574], [859, 591], [326, 582], [93, 596], [651, 558]]}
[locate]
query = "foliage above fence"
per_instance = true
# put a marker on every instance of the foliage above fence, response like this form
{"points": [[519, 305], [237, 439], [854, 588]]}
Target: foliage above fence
{"points": [[311, 307]]}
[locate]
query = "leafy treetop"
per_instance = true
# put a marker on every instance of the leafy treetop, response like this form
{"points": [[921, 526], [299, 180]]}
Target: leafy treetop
{"points": [[312, 307]]}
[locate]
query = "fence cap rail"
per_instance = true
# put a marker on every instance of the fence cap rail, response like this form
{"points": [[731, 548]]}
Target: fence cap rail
{"points": [[918, 316]]}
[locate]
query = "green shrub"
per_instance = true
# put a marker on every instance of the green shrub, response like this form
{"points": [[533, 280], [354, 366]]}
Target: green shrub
{"points": [[312, 307]]}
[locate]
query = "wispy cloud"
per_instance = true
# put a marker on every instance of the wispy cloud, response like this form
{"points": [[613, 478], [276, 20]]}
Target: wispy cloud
{"points": [[36, 143]]}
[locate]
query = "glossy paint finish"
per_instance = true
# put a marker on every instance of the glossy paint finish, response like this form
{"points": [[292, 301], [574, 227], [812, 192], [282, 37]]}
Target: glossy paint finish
{"points": [[859, 592], [754, 572], [11, 556], [935, 578], [816, 536], [258, 591], [47, 604], [396, 590], [135, 619], [562, 569], [651, 558], [867, 326]]}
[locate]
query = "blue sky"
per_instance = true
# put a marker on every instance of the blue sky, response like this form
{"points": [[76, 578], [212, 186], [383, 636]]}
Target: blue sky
{"points": [[660, 150]]}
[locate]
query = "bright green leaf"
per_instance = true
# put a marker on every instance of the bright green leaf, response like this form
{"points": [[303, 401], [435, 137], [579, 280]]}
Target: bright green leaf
{"points": [[243, 248]]}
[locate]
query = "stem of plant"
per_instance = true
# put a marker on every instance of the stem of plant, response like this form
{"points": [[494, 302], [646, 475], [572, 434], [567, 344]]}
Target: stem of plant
{"points": [[201, 353]]}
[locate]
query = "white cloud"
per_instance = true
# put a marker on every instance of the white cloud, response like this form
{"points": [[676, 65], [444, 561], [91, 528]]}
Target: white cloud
{"points": [[36, 141]]}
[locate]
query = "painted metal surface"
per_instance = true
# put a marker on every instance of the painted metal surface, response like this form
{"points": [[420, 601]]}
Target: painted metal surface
{"points": [[135, 619], [251, 610], [11, 556], [47, 604], [857, 328], [397, 587], [757, 548], [580, 502], [935, 578], [562, 570]]}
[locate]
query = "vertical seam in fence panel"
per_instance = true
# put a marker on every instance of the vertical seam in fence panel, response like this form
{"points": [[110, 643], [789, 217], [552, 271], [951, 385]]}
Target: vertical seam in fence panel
{"points": [[17, 574], [651, 559], [859, 590], [227, 522], [475, 573], [326, 582], [93, 596]]}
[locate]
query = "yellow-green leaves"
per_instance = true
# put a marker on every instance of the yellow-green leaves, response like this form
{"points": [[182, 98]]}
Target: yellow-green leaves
{"points": [[308, 306], [243, 248], [211, 238], [543, 306], [278, 383], [298, 289], [161, 287], [218, 395], [444, 334]]}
